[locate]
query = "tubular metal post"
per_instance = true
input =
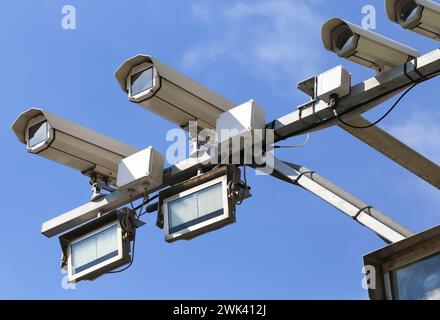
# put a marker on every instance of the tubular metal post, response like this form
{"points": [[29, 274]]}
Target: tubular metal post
{"points": [[379, 223]]}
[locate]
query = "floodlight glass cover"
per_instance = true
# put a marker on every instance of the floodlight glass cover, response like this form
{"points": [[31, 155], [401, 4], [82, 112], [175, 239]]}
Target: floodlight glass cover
{"points": [[418, 281], [199, 205], [95, 249], [142, 81], [195, 208], [38, 134]]}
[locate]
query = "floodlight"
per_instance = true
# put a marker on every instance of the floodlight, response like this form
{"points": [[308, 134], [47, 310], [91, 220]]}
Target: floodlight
{"points": [[170, 94], [199, 205], [99, 246], [406, 270], [70, 144], [421, 16], [364, 47]]}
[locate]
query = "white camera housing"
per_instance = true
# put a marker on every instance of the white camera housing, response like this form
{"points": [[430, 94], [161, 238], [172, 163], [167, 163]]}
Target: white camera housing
{"points": [[70, 144], [240, 121], [335, 81], [141, 171], [364, 47], [421, 16], [170, 94]]}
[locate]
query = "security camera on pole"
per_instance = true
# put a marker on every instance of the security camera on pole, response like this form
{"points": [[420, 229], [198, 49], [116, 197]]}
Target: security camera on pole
{"points": [[197, 196]]}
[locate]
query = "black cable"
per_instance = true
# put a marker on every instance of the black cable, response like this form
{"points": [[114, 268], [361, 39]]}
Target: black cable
{"points": [[145, 202], [237, 188], [132, 226], [415, 83], [131, 260], [356, 216], [244, 176], [381, 118], [326, 121]]}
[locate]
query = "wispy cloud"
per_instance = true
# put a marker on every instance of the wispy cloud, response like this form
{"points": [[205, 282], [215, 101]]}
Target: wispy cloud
{"points": [[281, 36], [421, 131]]}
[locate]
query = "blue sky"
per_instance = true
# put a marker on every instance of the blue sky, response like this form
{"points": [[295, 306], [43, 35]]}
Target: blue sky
{"points": [[287, 244]]}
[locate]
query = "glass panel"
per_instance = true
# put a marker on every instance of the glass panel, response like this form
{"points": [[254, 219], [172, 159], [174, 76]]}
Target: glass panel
{"points": [[418, 281], [210, 200], [195, 208], [95, 249], [182, 210], [141, 81], [38, 133]]}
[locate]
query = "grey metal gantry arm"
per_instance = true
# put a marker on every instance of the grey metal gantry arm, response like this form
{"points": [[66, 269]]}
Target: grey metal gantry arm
{"points": [[366, 215]]}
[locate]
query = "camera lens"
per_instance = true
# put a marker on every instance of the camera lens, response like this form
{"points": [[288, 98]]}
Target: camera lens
{"points": [[38, 134], [408, 10], [141, 81], [344, 39]]}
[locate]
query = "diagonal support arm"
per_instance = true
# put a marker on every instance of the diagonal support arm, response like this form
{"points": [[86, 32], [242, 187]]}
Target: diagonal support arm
{"points": [[396, 150], [373, 219]]}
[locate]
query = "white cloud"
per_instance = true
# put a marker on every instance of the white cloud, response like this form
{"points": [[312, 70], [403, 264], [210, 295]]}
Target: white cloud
{"points": [[272, 38], [421, 131]]}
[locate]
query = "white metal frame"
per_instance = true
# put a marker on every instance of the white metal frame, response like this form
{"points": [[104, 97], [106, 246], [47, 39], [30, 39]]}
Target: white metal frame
{"points": [[200, 226], [122, 252]]}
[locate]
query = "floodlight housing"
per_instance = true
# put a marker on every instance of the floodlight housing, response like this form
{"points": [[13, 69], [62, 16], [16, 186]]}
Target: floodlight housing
{"points": [[420, 16], [170, 94], [70, 144], [406, 270], [96, 247], [364, 47], [199, 205]]}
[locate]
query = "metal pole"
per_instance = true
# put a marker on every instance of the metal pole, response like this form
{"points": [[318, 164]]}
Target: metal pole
{"points": [[356, 209]]}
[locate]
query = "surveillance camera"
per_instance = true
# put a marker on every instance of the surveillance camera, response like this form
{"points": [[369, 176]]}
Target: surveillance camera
{"points": [[170, 94], [70, 144], [421, 16], [364, 47]]}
